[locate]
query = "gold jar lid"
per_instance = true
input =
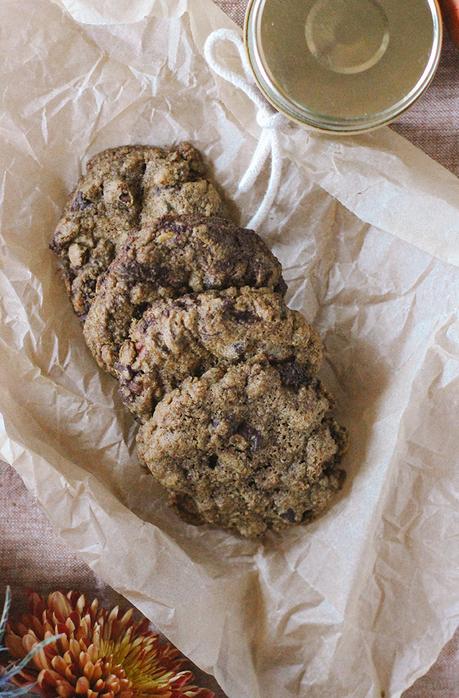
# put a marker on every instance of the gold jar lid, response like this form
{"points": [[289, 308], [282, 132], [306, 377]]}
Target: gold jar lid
{"points": [[345, 66]]}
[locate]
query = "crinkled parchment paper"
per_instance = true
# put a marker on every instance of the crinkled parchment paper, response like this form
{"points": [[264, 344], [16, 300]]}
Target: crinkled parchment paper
{"points": [[367, 228]]}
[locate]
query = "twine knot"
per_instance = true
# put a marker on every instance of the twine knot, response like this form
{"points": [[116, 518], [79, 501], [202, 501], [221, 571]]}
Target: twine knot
{"points": [[269, 121]]}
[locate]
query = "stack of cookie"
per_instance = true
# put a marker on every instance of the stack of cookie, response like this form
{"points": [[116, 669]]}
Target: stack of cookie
{"points": [[187, 311]]}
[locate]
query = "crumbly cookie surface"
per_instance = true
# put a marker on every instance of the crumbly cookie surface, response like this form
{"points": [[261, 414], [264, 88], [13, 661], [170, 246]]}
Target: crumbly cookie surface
{"points": [[171, 258], [124, 188], [248, 448], [182, 337]]}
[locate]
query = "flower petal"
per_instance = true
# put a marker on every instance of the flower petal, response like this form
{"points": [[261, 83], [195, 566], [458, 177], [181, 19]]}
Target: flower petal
{"points": [[60, 605], [82, 686]]}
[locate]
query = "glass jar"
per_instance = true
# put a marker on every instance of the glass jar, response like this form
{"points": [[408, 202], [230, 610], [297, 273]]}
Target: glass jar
{"points": [[343, 66]]}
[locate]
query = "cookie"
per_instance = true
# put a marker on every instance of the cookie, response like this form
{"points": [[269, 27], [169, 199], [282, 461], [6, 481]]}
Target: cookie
{"points": [[249, 448], [178, 338], [124, 188], [174, 257]]}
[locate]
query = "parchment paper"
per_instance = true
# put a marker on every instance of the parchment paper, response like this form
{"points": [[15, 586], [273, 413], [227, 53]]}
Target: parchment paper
{"points": [[360, 602]]}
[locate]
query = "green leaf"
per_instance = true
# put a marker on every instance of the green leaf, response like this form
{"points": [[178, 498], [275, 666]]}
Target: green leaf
{"points": [[5, 612], [17, 668]]}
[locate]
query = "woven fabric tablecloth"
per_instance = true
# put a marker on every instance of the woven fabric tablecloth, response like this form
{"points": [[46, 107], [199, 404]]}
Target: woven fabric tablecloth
{"points": [[33, 556]]}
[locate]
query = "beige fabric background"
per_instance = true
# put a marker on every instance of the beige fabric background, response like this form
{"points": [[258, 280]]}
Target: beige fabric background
{"points": [[32, 555]]}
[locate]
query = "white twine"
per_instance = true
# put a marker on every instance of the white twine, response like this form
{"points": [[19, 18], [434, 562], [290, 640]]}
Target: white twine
{"points": [[268, 120]]}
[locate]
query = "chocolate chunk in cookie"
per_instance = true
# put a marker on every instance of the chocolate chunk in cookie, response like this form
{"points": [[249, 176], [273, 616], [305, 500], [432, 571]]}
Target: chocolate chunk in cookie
{"points": [[239, 449], [178, 338], [124, 188], [174, 257]]}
